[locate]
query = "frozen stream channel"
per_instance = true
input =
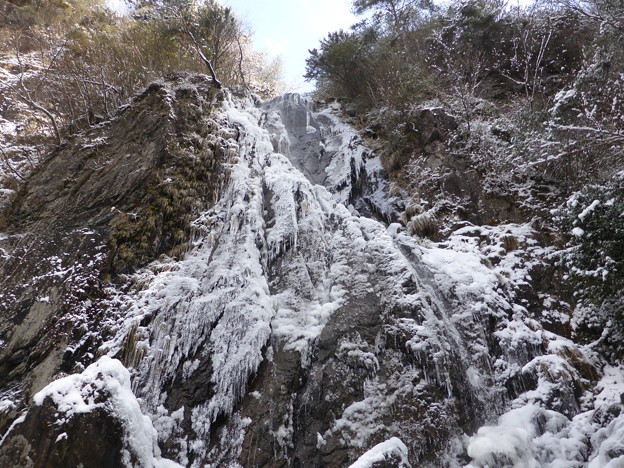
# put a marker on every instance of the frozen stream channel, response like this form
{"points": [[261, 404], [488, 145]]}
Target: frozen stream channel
{"points": [[306, 328]]}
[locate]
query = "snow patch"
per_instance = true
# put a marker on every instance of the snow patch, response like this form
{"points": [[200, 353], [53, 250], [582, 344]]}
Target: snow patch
{"points": [[81, 393], [392, 448], [587, 211]]}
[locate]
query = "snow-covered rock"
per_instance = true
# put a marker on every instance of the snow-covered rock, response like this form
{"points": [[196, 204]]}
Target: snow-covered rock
{"points": [[304, 326]]}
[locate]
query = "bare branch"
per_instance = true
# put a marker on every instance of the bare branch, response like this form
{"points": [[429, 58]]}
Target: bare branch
{"points": [[609, 18], [26, 98], [202, 56], [7, 162], [600, 131]]}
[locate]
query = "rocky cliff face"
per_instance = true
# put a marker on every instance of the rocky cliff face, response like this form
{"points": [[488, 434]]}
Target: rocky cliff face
{"points": [[209, 281]]}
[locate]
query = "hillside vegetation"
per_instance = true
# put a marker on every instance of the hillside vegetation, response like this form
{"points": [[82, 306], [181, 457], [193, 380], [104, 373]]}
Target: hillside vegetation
{"points": [[68, 65], [487, 112]]}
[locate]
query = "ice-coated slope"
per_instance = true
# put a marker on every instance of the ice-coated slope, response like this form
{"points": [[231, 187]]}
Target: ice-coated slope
{"points": [[305, 327], [213, 314]]}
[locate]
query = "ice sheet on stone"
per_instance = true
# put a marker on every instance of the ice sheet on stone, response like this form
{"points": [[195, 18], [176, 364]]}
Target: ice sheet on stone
{"points": [[331, 153], [285, 249], [392, 448]]}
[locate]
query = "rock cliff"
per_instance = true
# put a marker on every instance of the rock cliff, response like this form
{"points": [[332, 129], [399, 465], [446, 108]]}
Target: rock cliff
{"points": [[206, 280]]}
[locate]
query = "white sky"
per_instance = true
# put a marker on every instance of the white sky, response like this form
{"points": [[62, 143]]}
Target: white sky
{"points": [[290, 27]]}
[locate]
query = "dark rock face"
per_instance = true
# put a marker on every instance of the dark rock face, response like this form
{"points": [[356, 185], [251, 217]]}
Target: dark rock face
{"points": [[433, 124], [92, 440], [94, 209], [87, 419], [313, 395], [61, 224]]}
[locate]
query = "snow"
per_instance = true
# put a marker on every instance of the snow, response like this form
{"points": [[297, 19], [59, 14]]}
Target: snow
{"points": [[495, 445], [512, 439], [120, 7], [611, 386], [6, 405], [530, 435], [610, 442], [562, 98], [393, 447], [466, 271], [82, 393], [362, 419], [583, 214], [289, 245]]}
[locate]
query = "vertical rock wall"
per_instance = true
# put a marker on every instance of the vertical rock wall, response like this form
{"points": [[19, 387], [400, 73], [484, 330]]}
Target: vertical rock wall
{"points": [[295, 322]]}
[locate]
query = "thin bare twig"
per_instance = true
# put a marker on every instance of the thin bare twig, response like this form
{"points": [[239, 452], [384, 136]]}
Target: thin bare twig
{"points": [[202, 56], [26, 97], [8, 164]]}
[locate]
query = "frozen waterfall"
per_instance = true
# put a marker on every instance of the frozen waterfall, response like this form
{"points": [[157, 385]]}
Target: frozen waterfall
{"points": [[307, 328]]}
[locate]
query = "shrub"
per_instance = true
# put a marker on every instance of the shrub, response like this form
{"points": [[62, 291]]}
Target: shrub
{"points": [[593, 220]]}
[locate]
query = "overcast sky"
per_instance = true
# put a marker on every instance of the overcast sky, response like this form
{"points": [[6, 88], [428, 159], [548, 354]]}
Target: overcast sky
{"points": [[290, 27]]}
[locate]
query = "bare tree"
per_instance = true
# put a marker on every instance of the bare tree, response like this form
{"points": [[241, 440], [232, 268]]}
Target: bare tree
{"points": [[188, 31], [22, 91], [7, 163], [610, 12], [530, 46]]}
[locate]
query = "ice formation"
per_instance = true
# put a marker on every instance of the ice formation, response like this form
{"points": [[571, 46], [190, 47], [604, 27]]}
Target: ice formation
{"points": [[303, 241]]}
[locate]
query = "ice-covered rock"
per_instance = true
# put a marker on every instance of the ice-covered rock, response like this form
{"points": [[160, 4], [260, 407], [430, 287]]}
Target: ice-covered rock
{"points": [[301, 313], [303, 326], [77, 408], [391, 453]]}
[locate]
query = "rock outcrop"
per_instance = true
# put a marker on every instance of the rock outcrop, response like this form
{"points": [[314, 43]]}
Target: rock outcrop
{"points": [[100, 205], [209, 281]]}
